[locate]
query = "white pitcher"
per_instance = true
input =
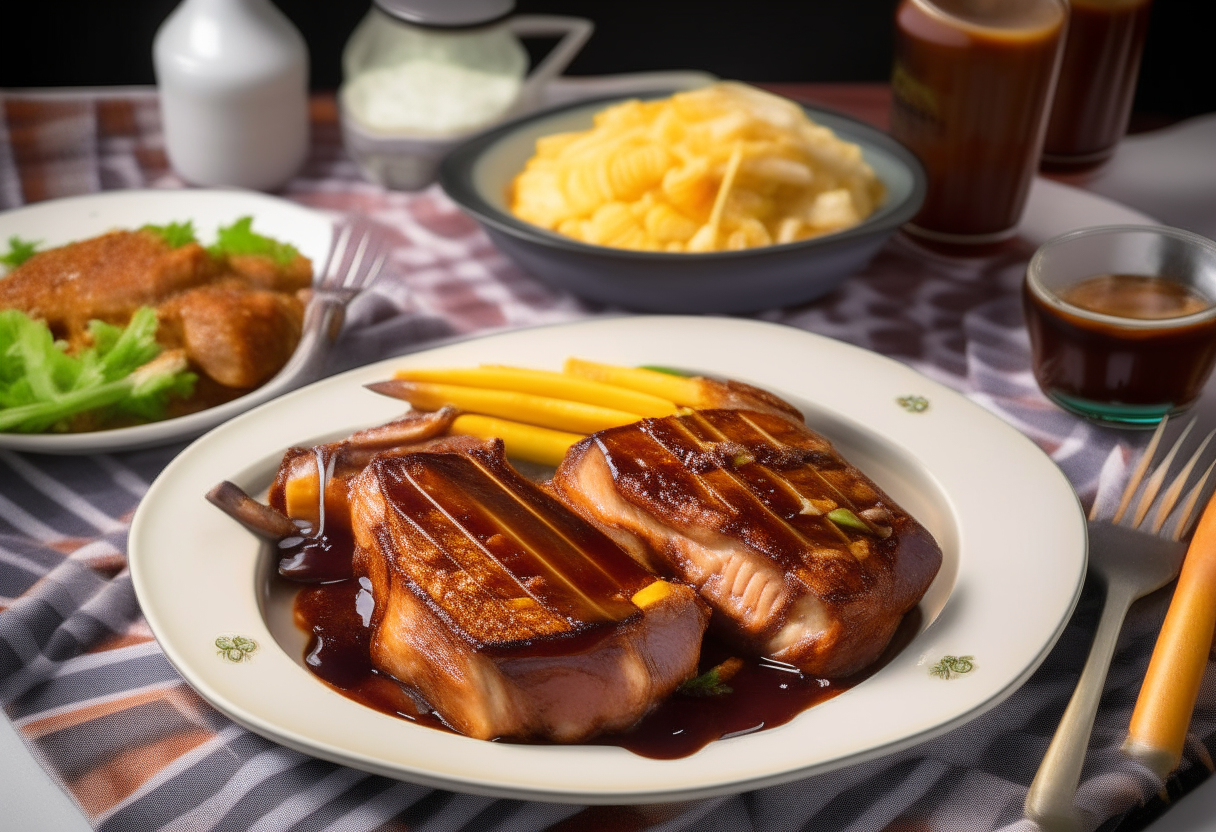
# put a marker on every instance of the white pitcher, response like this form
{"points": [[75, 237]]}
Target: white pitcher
{"points": [[233, 80]]}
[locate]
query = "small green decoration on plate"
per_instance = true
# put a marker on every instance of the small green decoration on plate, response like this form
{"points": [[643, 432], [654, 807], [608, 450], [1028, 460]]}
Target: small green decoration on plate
{"points": [[236, 649], [950, 667], [913, 404]]}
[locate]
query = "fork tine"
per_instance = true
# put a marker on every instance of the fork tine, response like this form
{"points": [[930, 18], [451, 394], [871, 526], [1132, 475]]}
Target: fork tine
{"points": [[353, 269], [1187, 512], [334, 263], [1179, 483], [1133, 482], [374, 271], [1158, 476]]}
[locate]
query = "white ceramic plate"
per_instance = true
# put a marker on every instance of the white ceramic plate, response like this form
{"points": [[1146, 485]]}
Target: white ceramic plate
{"points": [[1008, 522], [63, 221]]}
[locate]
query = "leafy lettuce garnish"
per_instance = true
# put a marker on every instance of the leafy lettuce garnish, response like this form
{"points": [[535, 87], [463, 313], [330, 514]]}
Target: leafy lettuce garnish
{"points": [[123, 372], [19, 251], [175, 234], [240, 238]]}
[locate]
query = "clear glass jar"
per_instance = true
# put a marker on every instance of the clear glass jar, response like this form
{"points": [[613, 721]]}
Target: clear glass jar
{"points": [[418, 76], [407, 79]]}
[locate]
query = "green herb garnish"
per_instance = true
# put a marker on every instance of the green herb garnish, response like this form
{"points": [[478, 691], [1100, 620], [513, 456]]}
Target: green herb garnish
{"points": [[124, 371], [240, 238], [844, 517], [671, 371], [713, 681], [175, 234], [19, 251]]}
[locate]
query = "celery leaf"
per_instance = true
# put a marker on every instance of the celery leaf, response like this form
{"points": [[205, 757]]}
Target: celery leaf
{"points": [[175, 234], [42, 387], [240, 238], [19, 251]]}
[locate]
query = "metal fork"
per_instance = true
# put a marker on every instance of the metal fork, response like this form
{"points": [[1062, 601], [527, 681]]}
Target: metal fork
{"points": [[1130, 558], [355, 260]]}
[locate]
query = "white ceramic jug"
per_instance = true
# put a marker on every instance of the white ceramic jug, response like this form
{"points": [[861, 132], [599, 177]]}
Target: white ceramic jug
{"points": [[233, 80]]}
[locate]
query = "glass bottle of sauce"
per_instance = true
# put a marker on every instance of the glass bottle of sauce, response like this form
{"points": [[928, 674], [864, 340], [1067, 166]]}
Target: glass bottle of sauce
{"points": [[972, 83], [1093, 99]]}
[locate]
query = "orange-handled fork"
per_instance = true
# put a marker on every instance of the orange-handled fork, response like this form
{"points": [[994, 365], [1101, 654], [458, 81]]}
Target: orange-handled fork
{"points": [[1130, 555]]}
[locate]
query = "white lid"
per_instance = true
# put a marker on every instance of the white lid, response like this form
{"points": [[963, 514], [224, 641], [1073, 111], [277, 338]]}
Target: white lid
{"points": [[444, 14]]}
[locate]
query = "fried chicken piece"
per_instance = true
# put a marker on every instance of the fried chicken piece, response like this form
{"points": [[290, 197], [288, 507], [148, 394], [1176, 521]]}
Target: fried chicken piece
{"points": [[262, 272], [239, 337], [125, 270]]}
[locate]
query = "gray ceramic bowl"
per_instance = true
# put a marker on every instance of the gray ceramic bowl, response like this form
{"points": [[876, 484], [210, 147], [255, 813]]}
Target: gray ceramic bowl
{"points": [[476, 176]]}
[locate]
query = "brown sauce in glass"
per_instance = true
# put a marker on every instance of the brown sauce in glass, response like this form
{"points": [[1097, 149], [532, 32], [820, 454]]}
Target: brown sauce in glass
{"points": [[764, 694], [971, 86], [1093, 98], [1097, 361], [1134, 296]]}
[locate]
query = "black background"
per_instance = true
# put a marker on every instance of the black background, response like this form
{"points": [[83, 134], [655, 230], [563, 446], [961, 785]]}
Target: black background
{"points": [[73, 43]]}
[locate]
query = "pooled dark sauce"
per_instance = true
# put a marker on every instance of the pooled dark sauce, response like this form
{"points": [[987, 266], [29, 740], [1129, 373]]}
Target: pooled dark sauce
{"points": [[337, 616], [764, 694], [316, 559]]}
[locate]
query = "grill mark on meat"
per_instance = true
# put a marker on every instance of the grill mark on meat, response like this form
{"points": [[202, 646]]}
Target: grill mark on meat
{"points": [[463, 504], [527, 567], [785, 457], [498, 620], [780, 538], [606, 581], [733, 492], [759, 482], [734, 503], [468, 584], [471, 610], [409, 510]]}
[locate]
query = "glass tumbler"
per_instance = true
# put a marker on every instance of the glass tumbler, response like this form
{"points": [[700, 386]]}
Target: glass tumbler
{"points": [[972, 84], [1122, 321], [1093, 99]]}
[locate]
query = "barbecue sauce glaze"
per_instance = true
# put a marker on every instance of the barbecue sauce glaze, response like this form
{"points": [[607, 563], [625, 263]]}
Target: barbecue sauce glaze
{"points": [[336, 611]]}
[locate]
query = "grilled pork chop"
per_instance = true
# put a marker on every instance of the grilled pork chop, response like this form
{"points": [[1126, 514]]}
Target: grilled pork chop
{"points": [[506, 611], [800, 556]]}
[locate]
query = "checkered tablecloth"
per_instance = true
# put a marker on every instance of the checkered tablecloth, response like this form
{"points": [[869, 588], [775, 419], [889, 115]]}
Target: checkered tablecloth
{"points": [[101, 709]]}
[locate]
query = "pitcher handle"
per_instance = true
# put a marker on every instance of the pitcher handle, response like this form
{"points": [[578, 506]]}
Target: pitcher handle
{"points": [[573, 31]]}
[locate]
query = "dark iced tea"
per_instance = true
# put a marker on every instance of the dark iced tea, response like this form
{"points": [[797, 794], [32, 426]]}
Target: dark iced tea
{"points": [[1098, 74], [972, 83]]}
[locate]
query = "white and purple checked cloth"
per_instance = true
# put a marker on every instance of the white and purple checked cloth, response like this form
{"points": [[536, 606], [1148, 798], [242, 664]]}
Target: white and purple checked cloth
{"points": [[109, 719]]}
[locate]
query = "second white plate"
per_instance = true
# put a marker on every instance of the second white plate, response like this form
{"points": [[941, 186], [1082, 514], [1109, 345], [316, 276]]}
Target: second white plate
{"points": [[61, 221]]}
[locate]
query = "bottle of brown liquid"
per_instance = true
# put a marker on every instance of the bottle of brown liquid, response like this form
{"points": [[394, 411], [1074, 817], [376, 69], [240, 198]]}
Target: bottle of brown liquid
{"points": [[972, 83], [1093, 99]]}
